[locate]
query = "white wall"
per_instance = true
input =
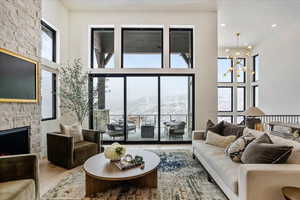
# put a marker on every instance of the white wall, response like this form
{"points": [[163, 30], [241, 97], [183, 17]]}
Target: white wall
{"points": [[279, 71], [57, 16], [205, 47]]}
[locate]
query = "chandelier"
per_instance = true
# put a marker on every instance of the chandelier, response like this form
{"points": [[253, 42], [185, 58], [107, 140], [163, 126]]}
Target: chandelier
{"points": [[238, 63]]}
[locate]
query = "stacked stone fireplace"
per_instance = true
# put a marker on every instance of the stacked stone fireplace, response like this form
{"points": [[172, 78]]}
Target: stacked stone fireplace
{"points": [[21, 33]]}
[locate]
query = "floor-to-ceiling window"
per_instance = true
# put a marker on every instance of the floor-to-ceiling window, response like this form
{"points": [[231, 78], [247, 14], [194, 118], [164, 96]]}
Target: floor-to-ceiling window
{"points": [[158, 108], [231, 91], [141, 97]]}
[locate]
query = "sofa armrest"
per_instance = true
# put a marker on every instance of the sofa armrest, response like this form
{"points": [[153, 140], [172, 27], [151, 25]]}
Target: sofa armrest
{"points": [[60, 149], [198, 135], [24, 166], [92, 136], [265, 181]]}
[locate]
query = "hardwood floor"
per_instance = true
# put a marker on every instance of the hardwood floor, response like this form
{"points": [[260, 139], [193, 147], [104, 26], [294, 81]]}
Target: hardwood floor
{"points": [[50, 174]]}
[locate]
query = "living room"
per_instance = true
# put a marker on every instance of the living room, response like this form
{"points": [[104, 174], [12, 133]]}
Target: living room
{"points": [[149, 99]]}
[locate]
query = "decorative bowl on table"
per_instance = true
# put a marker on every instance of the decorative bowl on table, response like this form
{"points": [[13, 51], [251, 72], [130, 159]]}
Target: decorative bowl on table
{"points": [[114, 152]]}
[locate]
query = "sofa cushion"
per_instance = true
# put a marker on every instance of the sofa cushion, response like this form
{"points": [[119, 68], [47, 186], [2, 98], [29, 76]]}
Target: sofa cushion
{"points": [[256, 133], [83, 150], [263, 151], [295, 155], [222, 165], [235, 150], [17, 190], [219, 140], [232, 129], [216, 128]]}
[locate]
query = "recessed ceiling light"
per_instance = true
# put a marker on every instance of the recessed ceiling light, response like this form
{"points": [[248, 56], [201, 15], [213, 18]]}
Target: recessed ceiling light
{"points": [[249, 47], [223, 25], [274, 25]]}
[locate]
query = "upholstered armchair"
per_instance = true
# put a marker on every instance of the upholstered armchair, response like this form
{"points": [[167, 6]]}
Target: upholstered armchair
{"points": [[62, 151], [19, 177]]}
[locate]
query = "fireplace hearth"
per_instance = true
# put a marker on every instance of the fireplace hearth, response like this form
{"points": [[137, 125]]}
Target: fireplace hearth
{"points": [[15, 141]]}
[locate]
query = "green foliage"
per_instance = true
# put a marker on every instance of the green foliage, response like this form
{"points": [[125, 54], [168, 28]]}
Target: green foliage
{"points": [[74, 89]]}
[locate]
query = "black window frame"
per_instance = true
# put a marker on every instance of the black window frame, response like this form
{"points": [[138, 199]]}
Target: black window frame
{"points": [[191, 30], [231, 87], [54, 50], [231, 64], [244, 118], [142, 29], [254, 67], [54, 98], [244, 107], [92, 42]]}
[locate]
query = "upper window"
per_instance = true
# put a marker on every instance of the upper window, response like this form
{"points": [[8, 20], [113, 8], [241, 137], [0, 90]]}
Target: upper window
{"points": [[48, 93], [224, 74], [241, 74], [181, 48], [142, 48], [102, 48], [256, 68], [48, 50]]}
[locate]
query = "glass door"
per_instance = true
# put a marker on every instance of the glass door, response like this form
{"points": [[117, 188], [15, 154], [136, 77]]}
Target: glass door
{"points": [[108, 107], [142, 108], [176, 108]]}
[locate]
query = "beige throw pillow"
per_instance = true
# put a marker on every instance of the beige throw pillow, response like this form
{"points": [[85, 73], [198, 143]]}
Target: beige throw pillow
{"points": [[219, 140], [74, 131]]}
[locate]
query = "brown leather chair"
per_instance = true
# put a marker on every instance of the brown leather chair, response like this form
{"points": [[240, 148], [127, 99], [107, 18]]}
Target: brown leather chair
{"points": [[19, 177], [62, 151]]}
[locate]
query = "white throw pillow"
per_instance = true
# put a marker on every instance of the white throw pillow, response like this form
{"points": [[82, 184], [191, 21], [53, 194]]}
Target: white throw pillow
{"points": [[219, 140], [256, 133], [74, 131]]}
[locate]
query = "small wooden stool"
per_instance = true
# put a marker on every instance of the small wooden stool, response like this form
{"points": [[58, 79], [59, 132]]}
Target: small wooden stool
{"points": [[291, 193]]}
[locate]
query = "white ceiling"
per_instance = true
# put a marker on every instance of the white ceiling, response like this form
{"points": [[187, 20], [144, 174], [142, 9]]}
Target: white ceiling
{"points": [[140, 4], [253, 19]]}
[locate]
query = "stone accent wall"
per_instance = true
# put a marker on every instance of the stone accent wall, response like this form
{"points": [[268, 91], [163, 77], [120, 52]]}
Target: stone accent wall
{"points": [[20, 32]]}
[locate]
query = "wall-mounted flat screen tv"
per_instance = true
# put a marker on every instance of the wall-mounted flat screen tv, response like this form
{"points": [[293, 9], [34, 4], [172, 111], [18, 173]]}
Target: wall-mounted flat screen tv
{"points": [[19, 78]]}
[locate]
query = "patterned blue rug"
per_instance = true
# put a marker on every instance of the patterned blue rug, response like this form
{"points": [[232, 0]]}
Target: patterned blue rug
{"points": [[180, 177]]}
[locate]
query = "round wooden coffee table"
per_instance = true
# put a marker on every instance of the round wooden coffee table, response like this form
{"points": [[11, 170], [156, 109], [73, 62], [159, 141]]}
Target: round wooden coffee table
{"points": [[101, 174], [291, 193]]}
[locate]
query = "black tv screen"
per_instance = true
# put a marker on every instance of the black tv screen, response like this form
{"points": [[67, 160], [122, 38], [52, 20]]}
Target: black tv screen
{"points": [[18, 78]]}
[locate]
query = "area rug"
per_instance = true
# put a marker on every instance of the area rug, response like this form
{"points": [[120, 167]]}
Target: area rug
{"points": [[180, 177]]}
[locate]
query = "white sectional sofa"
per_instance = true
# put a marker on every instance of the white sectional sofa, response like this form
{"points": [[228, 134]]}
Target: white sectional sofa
{"points": [[248, 181]]}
